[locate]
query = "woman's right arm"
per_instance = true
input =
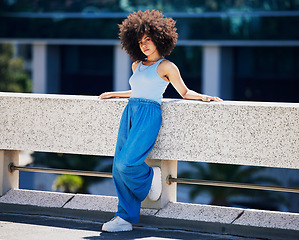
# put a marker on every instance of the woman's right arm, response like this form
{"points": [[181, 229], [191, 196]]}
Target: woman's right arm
{"points": [[121, 94]]}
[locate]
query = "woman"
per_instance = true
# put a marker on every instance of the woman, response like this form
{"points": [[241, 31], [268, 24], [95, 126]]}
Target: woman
{"points": [[147, 37]]}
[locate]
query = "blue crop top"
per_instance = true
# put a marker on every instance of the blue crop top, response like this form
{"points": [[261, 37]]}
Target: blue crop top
{"points": [[146, 82]]}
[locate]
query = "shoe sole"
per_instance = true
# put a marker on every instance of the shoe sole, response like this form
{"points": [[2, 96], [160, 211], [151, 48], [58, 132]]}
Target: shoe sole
{"points": [[117, 230], [157, 196]]}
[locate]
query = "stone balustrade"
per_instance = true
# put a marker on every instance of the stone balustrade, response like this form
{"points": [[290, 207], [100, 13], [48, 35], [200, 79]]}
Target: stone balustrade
{"points": [[243, 133]]}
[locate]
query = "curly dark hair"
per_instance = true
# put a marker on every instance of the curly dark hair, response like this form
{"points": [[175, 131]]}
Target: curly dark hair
{"points": [[160, 29]]}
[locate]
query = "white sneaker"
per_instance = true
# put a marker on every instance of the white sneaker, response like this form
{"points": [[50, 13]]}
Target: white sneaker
{"points": [[156, 188], [117, 224]]}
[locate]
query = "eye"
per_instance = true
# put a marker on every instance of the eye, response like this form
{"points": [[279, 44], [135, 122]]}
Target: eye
{"points": [[145, 40]]}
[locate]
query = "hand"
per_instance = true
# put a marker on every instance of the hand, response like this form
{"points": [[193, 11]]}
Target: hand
{"points": [[207, 98], [105, 95]]}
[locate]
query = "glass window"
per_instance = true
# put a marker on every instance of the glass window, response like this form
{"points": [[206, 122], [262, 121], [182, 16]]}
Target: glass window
{"points": [[266, 74], [86, 70], [59, 28], [134, 5], [204, 20], [238, 28], [212, 28]]}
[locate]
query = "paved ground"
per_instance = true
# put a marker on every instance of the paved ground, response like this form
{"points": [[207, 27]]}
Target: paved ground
{"points": [[37, 227]]}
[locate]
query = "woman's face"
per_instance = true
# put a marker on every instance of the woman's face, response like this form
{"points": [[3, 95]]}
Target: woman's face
{"points": [[147, 46]]}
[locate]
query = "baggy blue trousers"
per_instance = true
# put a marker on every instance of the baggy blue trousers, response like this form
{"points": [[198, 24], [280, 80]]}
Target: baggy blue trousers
{"points": [[139, 127]]}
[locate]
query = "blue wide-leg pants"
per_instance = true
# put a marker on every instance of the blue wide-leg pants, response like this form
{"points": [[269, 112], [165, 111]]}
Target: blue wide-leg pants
{"points": [[138, 130]]}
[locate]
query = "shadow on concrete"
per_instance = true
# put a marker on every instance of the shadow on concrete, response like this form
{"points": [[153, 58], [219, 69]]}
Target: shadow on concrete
{"points": [[65, 228]]}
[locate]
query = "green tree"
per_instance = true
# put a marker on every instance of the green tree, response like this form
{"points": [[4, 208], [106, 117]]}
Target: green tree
{"points": [[68, 183], [13, 77], [223, 196]]}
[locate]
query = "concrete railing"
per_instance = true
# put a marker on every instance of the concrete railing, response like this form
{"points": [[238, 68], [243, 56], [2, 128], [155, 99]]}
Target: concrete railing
{"points": [[243, 133]]}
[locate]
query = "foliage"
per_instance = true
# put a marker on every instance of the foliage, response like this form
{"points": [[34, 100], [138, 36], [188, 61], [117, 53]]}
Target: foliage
{"points": [[73, 162], [223, 196], [68, 183], [13, 77]]}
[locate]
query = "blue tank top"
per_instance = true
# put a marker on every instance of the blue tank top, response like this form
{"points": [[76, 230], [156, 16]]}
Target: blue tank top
{"points": [[146, 82]]}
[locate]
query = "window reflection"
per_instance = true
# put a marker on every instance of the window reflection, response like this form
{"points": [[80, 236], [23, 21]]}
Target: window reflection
{"points": [[133, 5]]}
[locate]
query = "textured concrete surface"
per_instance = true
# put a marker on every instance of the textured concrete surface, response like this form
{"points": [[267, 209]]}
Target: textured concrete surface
{"points": [[99, 203], [36, 227], [36, 198], [268, 219], [55, 123], [195, 213], [198, 212], [245, 133], [93, 202], [230, 215]]}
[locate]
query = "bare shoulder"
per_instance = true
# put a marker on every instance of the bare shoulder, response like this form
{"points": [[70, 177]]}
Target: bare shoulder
{"points": [[168, 70], [167, 66], [134, 65]]}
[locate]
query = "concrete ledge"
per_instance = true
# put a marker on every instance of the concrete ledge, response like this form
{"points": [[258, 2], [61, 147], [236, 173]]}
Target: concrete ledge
{"points": [[36, 198], [93, 202], [229, 215], [244, 133], [203, 218], [269, 219], [198, 212]]}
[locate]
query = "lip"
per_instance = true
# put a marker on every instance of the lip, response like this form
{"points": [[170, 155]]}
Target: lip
{"points": [[145, 50]]}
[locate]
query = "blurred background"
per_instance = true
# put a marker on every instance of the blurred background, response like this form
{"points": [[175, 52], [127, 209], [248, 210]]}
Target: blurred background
{"points": [[241, 50]]}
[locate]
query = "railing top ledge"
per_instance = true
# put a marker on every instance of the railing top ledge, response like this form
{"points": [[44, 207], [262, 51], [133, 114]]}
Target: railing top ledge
{"points": [[165, 100], [245, 133]]}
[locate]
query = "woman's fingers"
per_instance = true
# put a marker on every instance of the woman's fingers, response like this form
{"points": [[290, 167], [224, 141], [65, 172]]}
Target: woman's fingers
{"points": [[104, 95], [207, 98], [217, 99]]}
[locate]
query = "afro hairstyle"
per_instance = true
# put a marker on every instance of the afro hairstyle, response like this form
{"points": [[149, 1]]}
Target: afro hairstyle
{"points": [[160, 29]]}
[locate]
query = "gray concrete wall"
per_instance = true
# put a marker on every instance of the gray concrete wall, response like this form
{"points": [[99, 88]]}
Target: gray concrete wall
{"points": [[245, 133]]}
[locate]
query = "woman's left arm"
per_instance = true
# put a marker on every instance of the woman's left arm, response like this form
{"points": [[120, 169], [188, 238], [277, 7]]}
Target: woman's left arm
{"points": [[172, 73]]}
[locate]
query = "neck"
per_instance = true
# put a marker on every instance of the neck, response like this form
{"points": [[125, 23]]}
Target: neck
{"points": [[151, 60], [154, 57]]}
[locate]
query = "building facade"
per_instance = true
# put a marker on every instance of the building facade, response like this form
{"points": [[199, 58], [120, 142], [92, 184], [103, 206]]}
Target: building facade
{"points": [[235, 49]]}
